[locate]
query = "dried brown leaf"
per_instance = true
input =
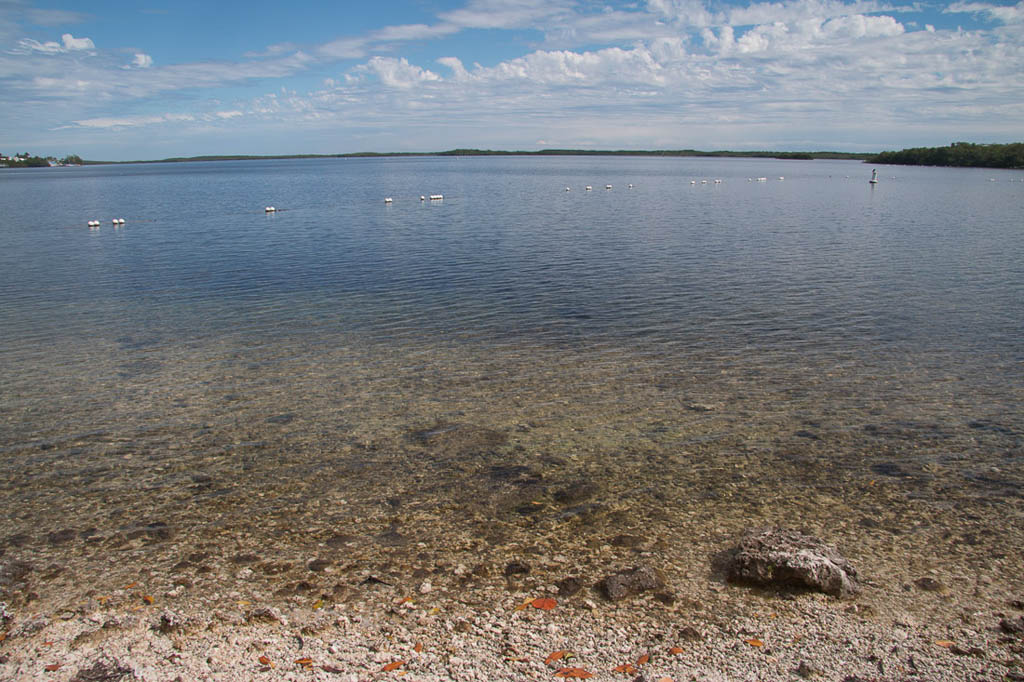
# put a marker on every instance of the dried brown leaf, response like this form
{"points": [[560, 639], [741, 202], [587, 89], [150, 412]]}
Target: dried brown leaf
{"points": [[676, 650], [575, 673], [544, 603], [555, 656], [627, 668], [395, 665]]}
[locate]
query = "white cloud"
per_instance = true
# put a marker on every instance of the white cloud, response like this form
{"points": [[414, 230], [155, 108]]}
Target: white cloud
{"points": [[507, 14], [72, 43], [690, 13], [68, 43], [455, 64], [759, 13], [132, 121], [142, 61], [780, 37], [1007, 14], [397, 73]]}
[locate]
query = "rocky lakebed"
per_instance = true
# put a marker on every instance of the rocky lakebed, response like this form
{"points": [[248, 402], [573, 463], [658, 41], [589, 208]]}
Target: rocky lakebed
{"points": [[203, 513]]}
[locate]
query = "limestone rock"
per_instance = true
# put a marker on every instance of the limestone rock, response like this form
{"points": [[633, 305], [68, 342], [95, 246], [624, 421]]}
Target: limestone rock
{"points": [[627, 583], [781, 557]]}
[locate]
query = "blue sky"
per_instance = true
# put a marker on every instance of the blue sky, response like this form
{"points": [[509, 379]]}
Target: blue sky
{"points": [[122, 80]]}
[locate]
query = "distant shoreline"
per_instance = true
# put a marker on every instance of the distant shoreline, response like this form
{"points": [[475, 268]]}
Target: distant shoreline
{"points": [[801, 156]]}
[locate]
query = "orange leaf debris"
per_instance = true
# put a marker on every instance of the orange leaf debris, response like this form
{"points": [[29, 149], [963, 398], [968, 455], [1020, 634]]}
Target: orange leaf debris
{"points": [[555, 656], [131, 586], [575, 673], [418, 648], [264, 660], [304, 662], [754, 642], [52, 668], [627, 668], [945, 643], [676, 650], [395, 665], [544, 603], [148, 598], [643, 659]]}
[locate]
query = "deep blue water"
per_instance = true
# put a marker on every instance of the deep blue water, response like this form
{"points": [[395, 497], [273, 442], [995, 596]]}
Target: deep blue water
{"points": [[819, 261]]}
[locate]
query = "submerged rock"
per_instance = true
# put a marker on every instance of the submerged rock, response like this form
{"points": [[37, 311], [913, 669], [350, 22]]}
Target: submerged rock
{"points": [[780, 557], [103, 670], [627, 583]]}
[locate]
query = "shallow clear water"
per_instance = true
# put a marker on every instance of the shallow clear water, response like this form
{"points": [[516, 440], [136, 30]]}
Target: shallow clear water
{"points": [[481, 360]]}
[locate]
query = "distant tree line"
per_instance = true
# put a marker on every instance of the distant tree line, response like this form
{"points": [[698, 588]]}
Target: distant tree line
{"points": [[26, 160], [964, 154], [806, 156]]}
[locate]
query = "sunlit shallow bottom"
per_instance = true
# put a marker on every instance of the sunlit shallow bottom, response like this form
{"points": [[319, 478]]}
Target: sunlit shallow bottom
{"points": [[297, 468]]}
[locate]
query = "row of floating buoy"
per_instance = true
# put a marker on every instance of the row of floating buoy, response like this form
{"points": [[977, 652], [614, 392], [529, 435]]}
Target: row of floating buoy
{"points": [[590, 188], [94, 224], [423, 197], [270, 209]]}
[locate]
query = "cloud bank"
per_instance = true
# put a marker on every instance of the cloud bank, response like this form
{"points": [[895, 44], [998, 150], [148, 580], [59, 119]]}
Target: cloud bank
{"points": [[671, 73]]}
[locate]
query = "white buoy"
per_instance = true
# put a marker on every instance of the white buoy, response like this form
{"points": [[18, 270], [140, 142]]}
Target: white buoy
{"points": [[120, 221], [588, 188], [94, 223], [567, 189], [270, 209], [629, 186], [693, 182], [388, 200], [436, 197], [607, 186], [781, 178], [717, 181], [703, 182], [422, 198]]}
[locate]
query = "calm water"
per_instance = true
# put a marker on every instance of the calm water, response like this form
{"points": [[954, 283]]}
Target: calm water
{"points": [[815, 263], [502, 345]]}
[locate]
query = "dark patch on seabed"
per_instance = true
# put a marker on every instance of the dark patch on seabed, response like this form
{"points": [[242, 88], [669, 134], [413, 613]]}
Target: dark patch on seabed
{"points": [[334, 469]]}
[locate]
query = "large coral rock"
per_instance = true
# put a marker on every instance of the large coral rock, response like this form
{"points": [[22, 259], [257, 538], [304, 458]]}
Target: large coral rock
{"points": [[780, 557]]}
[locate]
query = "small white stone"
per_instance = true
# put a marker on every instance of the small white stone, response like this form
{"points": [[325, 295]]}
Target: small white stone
{"points": [[426, 587]]}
